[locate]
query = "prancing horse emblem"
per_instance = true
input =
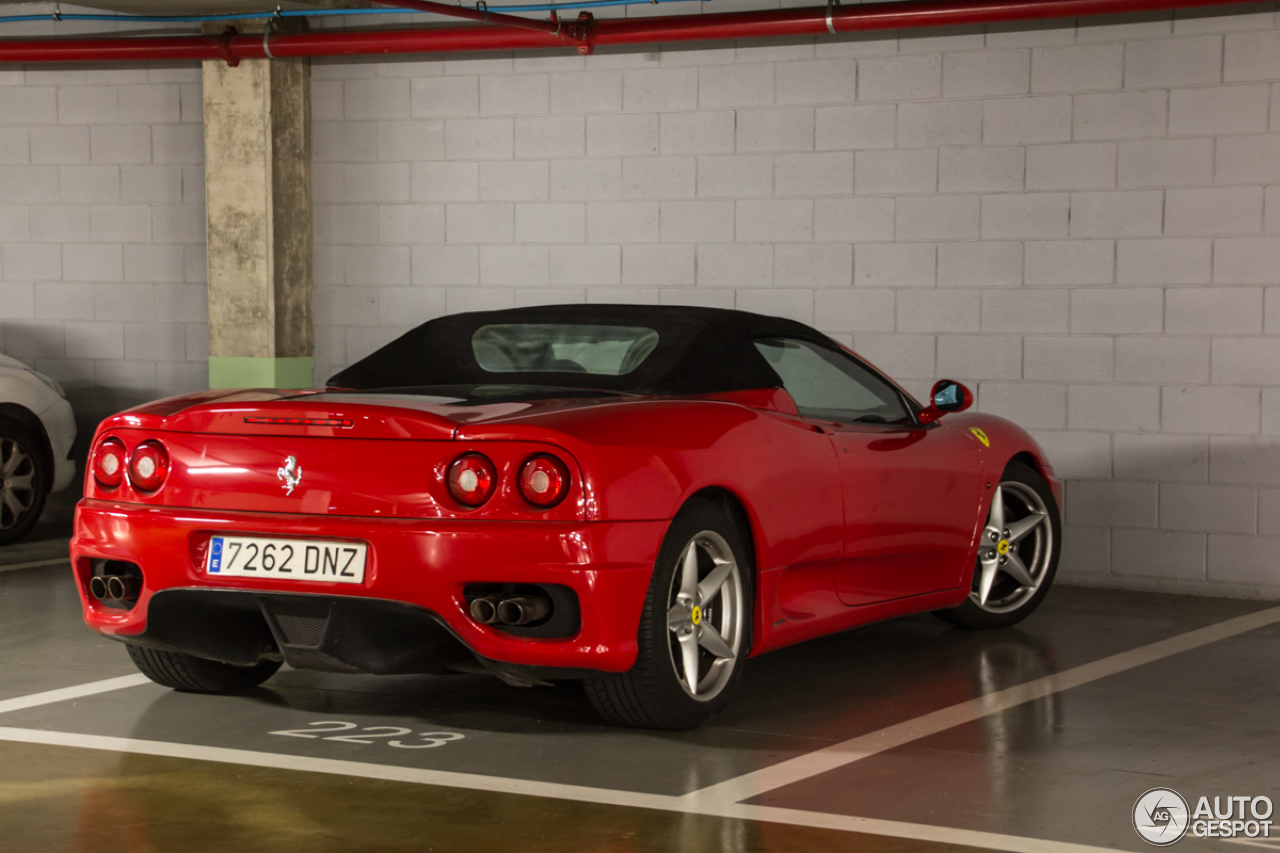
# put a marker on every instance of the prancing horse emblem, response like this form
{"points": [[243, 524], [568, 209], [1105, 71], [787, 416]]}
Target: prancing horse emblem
{"points": [[291, 474]]}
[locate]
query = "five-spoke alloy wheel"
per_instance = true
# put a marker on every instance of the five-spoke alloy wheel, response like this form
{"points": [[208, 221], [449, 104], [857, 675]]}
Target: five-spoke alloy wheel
{"points": [[1016, 548], [1017, 553], [706, 615], [24, 481], [695, 630]]}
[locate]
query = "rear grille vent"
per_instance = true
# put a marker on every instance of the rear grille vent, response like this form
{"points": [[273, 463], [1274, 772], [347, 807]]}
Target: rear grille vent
{"points": [[301, 622]]}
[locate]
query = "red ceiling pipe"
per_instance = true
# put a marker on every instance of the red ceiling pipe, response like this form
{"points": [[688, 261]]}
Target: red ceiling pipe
{"points": [[908, 14], [151, 48], [834, 19]]}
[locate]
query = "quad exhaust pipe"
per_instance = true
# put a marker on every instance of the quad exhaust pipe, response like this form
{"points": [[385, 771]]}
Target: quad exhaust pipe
{"points": [[513, 610], [122, 588]]}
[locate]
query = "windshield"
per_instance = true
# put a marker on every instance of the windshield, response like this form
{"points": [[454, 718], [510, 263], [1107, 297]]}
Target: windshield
{"points": [[562, 348]]}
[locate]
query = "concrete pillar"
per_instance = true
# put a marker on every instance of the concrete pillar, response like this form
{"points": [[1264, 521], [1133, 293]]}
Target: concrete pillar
{"points": [[257, 132]]}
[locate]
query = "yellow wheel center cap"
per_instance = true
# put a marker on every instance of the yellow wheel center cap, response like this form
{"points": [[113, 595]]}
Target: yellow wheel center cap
{"points": [[696, 614], [1003, 547]]}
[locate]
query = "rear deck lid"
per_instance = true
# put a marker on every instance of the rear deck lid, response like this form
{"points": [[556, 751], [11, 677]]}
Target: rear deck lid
{"points": [[405, 413]]}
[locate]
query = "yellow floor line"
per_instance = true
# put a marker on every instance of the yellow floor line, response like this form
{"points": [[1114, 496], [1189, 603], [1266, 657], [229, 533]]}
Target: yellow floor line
{"points": [[577, 793]]}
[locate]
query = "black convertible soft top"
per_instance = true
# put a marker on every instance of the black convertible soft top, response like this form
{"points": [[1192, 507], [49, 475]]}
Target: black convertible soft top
{"points": [[699, 351]]}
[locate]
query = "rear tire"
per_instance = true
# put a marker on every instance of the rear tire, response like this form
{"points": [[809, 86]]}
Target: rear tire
{"points": [[677, 626], [1030, 513], [191, 674], [25, 478]]}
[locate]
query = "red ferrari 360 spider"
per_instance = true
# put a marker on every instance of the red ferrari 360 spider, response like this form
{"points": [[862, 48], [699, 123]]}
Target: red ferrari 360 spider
{"points": [[638, 497]]}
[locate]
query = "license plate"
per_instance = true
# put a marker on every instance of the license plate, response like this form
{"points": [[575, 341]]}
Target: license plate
{"points": [[287, 559]]}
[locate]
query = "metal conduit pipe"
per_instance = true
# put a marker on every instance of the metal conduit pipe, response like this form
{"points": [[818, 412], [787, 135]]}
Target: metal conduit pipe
{"points": [[830, 19], [577, 31], [232, 18], [481, 14]]}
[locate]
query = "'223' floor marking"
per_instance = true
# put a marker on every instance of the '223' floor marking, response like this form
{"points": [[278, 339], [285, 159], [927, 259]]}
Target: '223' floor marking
{"points": [[369, 734]]}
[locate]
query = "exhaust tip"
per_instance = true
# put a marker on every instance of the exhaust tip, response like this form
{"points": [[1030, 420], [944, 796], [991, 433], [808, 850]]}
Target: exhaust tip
{"points": [[115, 588], [510, 612], [522, 610], [484, 611]]}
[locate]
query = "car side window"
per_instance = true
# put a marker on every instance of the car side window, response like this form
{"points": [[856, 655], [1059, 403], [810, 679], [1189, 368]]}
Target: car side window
{"points": [[827, 384]]}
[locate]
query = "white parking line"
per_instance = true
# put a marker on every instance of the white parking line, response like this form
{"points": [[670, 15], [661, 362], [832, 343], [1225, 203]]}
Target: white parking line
{"points": [[34, 700], [840, 754], [721, 800], [575, 793], [13, 567]]}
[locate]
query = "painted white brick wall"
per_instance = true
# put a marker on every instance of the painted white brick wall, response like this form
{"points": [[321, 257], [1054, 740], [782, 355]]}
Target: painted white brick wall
{"points": [[1079, 218], [102, 265]]}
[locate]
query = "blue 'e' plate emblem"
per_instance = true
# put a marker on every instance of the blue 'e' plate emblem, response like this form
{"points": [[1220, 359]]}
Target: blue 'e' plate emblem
{"points": [[215, 558]]}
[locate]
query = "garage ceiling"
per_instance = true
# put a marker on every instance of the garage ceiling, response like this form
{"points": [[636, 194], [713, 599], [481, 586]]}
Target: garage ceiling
{"points": [[188, 7]]}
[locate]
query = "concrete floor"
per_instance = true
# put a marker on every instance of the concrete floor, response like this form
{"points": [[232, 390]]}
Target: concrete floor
{"points": [[135, 767]]}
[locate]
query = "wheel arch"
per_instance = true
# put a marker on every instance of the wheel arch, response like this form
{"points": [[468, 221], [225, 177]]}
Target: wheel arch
{"points": [[28, 419], [1026, 457], [1038, 465], [737, 508]]}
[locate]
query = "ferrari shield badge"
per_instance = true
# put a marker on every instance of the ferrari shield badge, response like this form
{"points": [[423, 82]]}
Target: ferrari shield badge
{"points": [[977, 433], [290, 474]]}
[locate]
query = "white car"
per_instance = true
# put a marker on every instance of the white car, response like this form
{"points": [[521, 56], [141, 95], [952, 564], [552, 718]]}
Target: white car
{"points": [[37, 429]]}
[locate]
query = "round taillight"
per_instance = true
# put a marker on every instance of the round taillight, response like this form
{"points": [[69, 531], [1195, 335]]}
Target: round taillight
{"points": [[148, 466], [108, 463], [472, 479], [544, 481]]}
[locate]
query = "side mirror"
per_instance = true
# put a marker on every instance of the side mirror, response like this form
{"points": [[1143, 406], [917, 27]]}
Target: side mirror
{"points": [[947, 396]]}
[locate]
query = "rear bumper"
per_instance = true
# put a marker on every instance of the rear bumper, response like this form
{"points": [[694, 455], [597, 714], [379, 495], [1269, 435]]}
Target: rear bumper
{"points": [[423, 564]]}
